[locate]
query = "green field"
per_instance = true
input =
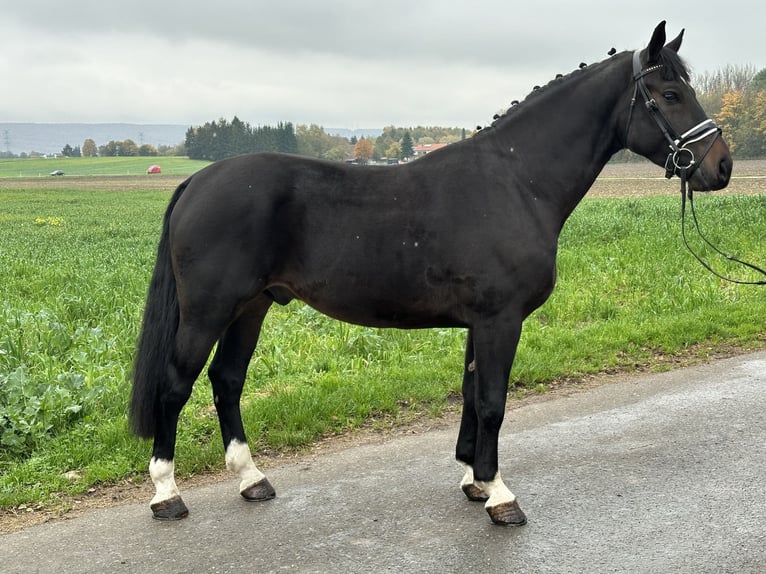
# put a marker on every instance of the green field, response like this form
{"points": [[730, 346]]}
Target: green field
{"points": [[96, 166], [74, 267]]}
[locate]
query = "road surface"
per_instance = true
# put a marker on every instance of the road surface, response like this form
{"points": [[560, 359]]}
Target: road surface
{"points": [[656, 473]]}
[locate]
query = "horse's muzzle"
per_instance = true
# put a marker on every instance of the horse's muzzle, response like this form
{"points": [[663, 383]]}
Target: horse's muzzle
{"points": [[714, 172]]}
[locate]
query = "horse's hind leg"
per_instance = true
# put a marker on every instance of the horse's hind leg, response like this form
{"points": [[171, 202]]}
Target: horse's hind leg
{"points": [[227, 374], [192, 350]]}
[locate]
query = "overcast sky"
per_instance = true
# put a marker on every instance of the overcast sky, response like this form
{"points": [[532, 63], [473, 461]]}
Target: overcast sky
{"points": [[336, 63]]}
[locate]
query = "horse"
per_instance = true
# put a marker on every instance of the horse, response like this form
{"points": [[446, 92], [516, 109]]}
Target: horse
{"points": [[465, 237]]}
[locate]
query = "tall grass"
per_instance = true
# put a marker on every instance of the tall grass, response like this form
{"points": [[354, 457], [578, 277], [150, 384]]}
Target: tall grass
{"points": [[74, 267]]}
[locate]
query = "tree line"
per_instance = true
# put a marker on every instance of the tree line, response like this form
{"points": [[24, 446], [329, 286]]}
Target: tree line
{"points": [[114, 148], [221, 139], [735, 96]]}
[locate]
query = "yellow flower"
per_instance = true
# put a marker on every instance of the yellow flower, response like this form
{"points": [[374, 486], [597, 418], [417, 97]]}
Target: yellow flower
{"points": [[52, 221]]}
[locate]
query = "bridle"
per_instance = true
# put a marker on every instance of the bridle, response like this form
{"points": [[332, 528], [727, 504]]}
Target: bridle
{"points": [[677, 143], [681, 160]]}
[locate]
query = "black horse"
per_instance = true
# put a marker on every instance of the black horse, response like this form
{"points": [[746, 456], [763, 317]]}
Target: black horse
{"points": [[464, 237]]}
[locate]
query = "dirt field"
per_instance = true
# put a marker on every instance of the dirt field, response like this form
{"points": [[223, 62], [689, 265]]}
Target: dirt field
{"points": [[617, 180], [641, 179]]}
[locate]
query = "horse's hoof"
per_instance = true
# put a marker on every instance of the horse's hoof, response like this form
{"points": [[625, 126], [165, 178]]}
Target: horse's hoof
{"points": [[170, 509], [474, 493], [507, 514], [261, 490]]}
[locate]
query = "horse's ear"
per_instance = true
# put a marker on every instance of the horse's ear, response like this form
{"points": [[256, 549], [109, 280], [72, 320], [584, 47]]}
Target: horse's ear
{"points": [[656, 43], [676, 44]]}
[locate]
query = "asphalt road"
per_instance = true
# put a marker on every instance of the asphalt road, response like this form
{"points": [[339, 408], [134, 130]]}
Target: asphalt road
{"points": [[657, 473]]}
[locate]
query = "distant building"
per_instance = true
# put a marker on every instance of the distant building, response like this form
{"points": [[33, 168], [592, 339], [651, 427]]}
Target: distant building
{"points": [[423, 149]]}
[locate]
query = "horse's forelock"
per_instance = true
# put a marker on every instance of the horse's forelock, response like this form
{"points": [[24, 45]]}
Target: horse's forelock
{"points": [[673, 67]]}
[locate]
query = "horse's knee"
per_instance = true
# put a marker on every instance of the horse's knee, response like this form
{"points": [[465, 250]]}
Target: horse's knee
{"points": [[491, 415]]}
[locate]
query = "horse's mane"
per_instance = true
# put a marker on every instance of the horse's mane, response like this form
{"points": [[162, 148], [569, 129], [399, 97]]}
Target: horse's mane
{"points": [[538, 91], [673, 67]]}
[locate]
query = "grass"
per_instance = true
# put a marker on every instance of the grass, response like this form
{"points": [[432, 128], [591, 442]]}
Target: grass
{"points": [[96, 166], [74, 269]]}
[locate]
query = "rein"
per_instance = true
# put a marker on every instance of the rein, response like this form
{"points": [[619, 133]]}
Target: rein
{"points": [[674, 163]]}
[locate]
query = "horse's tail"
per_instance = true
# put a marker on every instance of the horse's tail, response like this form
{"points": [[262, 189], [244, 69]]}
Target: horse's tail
{"points": [[156, 344]]}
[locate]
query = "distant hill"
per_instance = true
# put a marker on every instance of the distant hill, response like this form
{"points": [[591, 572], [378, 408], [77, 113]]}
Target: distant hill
{"points": [[51, 138]]}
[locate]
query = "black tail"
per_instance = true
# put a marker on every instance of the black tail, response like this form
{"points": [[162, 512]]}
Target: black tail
{"points": [[156, 345]]}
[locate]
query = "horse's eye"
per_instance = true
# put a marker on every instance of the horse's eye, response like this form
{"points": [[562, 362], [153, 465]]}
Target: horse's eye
{"points": [[669, 96]]}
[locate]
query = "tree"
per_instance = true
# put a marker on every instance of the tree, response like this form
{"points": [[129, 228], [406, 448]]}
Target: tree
{"points": [[67, 151], [394, 151], [110, 149], [147, 150], [89, 148], [363, 150], [128, 148], [741, 116], [313, 141], [220, 139], [759, 81], [406, 146], [712, 86]]}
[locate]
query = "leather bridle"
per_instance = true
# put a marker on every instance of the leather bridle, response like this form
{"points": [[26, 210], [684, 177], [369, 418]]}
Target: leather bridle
{"points": [[681, 160], [674, 164]]}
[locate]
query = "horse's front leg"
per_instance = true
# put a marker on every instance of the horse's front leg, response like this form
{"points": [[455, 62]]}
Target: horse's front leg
{"points": [[466, 440], [485, 386]]}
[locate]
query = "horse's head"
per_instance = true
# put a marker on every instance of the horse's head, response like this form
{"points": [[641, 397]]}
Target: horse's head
{"points": [[667, 125]]}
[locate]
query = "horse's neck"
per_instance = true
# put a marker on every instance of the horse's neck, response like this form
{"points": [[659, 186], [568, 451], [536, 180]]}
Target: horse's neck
{"points": [[563, 137]]}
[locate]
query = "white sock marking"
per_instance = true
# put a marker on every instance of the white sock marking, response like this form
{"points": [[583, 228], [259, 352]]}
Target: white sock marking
{"points": [[468, 476], [162, 472], [497, 491], [239, 461]]}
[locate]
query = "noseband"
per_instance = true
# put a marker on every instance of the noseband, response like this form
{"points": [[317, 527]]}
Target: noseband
{"points": [[681, 160]]}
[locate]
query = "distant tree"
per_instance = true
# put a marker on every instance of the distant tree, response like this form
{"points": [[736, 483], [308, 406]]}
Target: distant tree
{"points": [[110, 149], [89, 148], [406, 146], [338, 153], [363, 150], [394, 151], [313, 141], [759, 81], [147, 150], [711, 86], [76, 151], [67, 151], [287, 140], [220, 139], [128, 148], [741, 116]]}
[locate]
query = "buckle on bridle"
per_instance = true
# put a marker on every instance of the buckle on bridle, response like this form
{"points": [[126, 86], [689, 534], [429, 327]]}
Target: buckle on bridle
{"points": [[673, 164]]}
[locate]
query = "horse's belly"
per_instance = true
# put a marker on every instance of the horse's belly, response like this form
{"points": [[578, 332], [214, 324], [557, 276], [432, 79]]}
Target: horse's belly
{"points": [[381, 310]]}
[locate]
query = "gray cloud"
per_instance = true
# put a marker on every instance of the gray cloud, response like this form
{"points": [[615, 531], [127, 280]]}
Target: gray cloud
{"points": [[338, 63]]}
